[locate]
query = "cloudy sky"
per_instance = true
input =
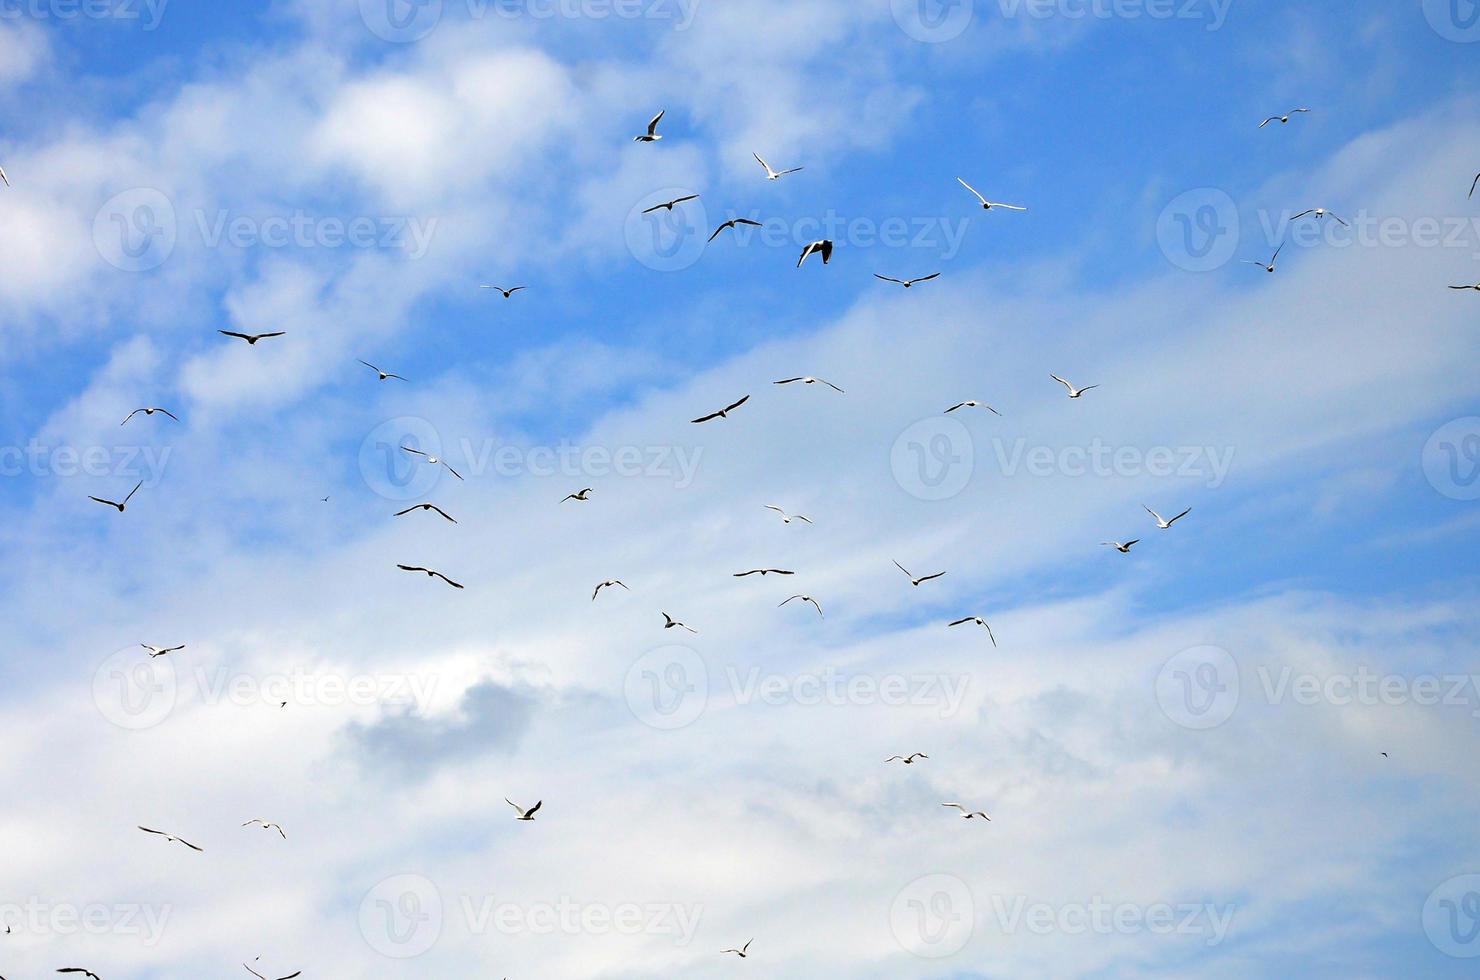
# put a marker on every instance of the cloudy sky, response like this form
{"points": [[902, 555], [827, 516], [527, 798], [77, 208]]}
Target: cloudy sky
{"points": [[1245, 749]]}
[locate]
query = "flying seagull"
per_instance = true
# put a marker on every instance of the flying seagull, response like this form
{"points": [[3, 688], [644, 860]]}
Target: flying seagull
{"points": [[907, 283], [1124, 549], [123, 506], [787, 518], [267, 826], [651, 136], [668, 205], [972, 405], [432, 459], [1073, 391], [916, 581], [78, 969], [742, 952], [507, 292], [149, 411], [1267, 266], [161, 651], [968, 814], [524, 814], [583, 495], [824, 247], [723, 413], [432, 507], [989, 205], [732, 223], [980, 622], [608, 584], [1474, 287], [1321, 213], [172, 838], [1162, 522], [429, 574], [671, 623], [1474, 185], [809, 381], [384, 375], [805, 598], [252, 338], [908, 760], [261, 977], [1281, 119], [763, 572], [772, 174]]}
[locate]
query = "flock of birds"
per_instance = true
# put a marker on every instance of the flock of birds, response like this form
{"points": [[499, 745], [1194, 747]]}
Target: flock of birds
{"points": [[823, 248]]}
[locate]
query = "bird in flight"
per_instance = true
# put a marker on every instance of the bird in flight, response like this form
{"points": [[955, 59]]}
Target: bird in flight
{"points": [[980, 622], [1321, 213], [805, 598], [1267, 266], [763, 572], [742, 952], [583, 495], [907, 283], [772, 174], [161, 651], [671, 623], [149, 411], [1475, 287], [908, 760], [916, 581], [989, 205], [651, 136], [732, 223], [1162, 522], [608, 584], [809, 381], [261, 977], [431, 507], [172, 838], [973, 405], [266, 826], [1474, 185], [787, 518], [384, 375], [1281, 119], [252, 338], [723, 413], [968, 814], [432, 459], [524, 814], [121, 506], [78, 969], [668, 205], [1073, 391], [507, 292], [429, 574], [3, 177], [1124, 549], [823, 247]]}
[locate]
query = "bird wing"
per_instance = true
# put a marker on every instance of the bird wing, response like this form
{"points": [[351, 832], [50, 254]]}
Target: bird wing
{"points": [[806, 252], [1180, 516], [453, 471], [903, 569], [233, 333], [413, 568], [799, 517], [444, 513], [954, 407], [973, 190], [133, 491], [517, 808], [131, 415], [1268, 121], [275, 333], [1062, 381], [742, 401], [1303, 214], [455, 585], [827, 250], [961, 621], [1475, 185], [888, 279], [416, 452], [933, 275], [707, 418], [653, 125], [727, 224], [534, 809], [403, 513], [786, 381], [102, 501], [755, 571], [165, 411], [793, 170], [927, 578], [1131, 544], [656, 207], [763, 163]]}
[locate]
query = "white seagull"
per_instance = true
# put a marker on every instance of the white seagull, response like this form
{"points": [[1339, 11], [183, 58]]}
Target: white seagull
{"points": [[651, 136], [431, 507], [968, 814], [972, 404], [989, 205], [1124, 549], [507, 292], [772, 174], [808, 381], [523, 813], [432, 459], [173, 839], [668, 205], [384, 375], [608, 584], [732, 223], [258, 821], [583, 495], [161, 651], [1073, 391], [148, 411], [670, 623], [742, 952], [916, 581], [788, 518], [908, 760], [1474, 185], [252, 338], [980, 622], [823, 247], [1321, 213], [429, 573], [1162, 522], [805, 598], [1281, 119], [907, 283], [1475, 287], [113, 503], [1266, 266]]}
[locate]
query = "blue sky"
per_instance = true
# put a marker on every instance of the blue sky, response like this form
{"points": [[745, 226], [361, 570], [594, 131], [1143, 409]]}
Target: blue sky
{"points": [[1195, 726]]}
